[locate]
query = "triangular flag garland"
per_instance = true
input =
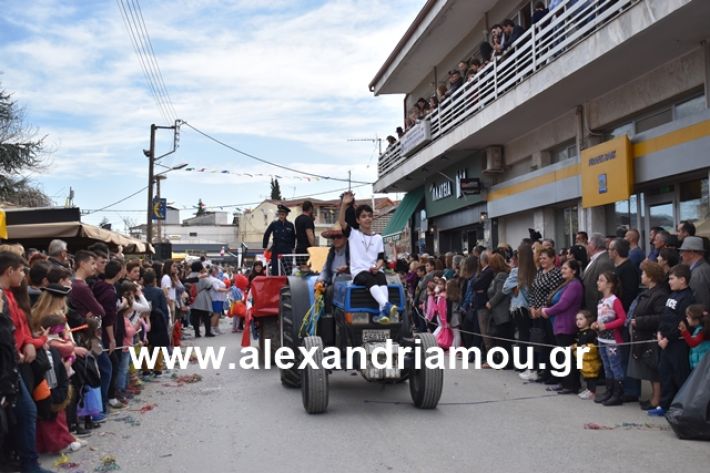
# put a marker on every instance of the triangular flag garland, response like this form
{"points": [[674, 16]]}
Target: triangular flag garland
{"points": [[235, 173]]}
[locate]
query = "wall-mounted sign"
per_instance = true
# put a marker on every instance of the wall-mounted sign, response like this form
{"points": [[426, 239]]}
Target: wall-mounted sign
{"points": [[607, 172], [441, 190], [416, 137], [159, 208]]}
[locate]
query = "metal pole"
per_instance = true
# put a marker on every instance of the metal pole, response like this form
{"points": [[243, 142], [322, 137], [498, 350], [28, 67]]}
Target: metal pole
{"points": [[151, 165]]}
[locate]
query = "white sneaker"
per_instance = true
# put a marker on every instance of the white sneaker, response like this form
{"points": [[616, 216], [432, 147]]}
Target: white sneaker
{"points": [[74, 446], [586, 395], [115, 403], [528, 375]]}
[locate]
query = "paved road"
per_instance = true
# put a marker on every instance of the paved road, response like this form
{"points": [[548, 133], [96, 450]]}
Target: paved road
{"points": [[486, 421]]}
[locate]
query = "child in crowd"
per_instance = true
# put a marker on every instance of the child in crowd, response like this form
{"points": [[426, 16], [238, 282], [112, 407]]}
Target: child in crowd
{"points": [[673, 364], [591, 364], [453, 296], [697, 318], [125, 312], [610, 321]]}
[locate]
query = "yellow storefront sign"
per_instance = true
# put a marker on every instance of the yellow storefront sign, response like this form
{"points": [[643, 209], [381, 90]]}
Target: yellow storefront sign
{"points": [[607, 172], [3, 225]]}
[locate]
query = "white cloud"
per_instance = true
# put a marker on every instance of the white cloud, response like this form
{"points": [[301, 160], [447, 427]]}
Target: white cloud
{"points": [[265, 69]]}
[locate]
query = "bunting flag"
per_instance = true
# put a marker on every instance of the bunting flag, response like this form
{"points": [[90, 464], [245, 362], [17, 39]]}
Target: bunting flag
{"points": [[235, 173]]}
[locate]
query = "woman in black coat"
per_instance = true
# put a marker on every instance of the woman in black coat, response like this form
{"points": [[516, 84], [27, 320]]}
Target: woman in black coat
{"points": [[643, 362]]}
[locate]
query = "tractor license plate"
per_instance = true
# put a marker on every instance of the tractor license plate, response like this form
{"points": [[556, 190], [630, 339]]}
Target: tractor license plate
{"points": [[369, 335]]}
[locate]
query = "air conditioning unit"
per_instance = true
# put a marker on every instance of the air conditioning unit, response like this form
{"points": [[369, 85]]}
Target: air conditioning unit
{"points": [[494, 160]]}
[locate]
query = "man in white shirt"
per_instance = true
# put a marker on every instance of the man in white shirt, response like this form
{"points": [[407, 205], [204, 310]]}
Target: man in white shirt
{"points": [[367, 258]]}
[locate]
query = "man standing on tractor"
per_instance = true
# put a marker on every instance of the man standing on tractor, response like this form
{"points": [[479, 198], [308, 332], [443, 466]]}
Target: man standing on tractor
{"points": [[367, 257], [284, 239]]}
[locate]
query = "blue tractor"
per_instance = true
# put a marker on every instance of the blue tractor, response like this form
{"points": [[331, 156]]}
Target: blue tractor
{"points": [[342, 318]]}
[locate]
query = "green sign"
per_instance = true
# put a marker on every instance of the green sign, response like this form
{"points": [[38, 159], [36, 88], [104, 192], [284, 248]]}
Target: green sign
{"points": [[443, 192]]}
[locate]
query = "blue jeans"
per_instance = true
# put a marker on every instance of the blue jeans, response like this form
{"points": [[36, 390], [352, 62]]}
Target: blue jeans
{"points": [[122, 375], [105, 369], [26, 414], [611, 359]]}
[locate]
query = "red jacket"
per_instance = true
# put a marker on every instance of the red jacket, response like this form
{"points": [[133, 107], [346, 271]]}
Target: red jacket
{"points": [[23, 334]]}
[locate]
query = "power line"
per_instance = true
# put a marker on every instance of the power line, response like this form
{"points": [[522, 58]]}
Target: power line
{"points": [[212, 207], [151, 55], [89, 212], [137, 49], [261, 160]]}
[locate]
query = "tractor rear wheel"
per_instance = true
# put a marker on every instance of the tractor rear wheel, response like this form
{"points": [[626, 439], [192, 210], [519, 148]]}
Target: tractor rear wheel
{"points": [[426, 384]]}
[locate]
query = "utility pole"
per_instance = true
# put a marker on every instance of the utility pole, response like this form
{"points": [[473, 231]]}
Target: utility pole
{"points": [[151, 165], [150, 154]]}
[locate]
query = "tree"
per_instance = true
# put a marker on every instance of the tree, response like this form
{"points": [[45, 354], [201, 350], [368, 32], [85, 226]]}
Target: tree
{"points": [[275, 189], [19, 151], [201, 209]]}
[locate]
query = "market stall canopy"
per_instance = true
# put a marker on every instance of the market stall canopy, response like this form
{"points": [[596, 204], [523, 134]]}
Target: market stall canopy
{"points": [[402, 215], [77, 235]]}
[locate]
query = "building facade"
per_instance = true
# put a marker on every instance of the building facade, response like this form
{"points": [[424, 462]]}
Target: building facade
{"points": [[596, 118]]}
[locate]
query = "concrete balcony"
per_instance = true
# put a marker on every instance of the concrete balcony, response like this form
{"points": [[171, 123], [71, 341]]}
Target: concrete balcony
{"points": [[584, 49]]}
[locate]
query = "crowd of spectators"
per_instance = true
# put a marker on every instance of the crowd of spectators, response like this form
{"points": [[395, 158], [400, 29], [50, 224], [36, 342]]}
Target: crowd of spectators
{"points": [[66, 325], [501, 37], [644, 317]]}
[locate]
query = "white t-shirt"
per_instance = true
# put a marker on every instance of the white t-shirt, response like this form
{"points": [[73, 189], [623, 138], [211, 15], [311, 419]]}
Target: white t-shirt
{"points": [[167, 283], [217, 296], [363, 251]]}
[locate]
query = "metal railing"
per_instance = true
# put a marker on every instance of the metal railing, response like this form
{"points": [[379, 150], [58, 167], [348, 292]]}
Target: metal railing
{"points": [[566, 25]]}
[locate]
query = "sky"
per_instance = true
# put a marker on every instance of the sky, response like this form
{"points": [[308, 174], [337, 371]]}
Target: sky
{"points": [[286, 81]]}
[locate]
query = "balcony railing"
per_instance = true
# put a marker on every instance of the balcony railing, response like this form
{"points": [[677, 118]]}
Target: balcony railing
{"points": [[569, 23]]}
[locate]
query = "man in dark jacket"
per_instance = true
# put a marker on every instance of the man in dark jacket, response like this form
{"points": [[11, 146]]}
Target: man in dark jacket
{"points": [[512, 32], [284, 239], [598, 263]]}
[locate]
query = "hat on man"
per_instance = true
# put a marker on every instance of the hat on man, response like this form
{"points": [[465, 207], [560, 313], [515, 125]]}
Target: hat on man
{"points": [[57, 290], [283, 209], [332, 232], [692, 243]]}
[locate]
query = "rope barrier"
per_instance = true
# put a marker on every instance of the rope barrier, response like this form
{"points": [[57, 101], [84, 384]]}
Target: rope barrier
{"points": [[531, 343]]}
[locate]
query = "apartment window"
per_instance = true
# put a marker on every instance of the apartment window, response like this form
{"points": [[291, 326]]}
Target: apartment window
{"points": [[690, 107], [566, 150], [329, 216], [657, 119]]}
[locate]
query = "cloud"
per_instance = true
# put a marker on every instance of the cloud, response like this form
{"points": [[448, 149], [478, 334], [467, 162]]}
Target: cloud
{"points": [[289, 71]]}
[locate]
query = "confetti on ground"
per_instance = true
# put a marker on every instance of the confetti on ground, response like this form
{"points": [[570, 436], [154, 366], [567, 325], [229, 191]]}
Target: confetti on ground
{"points": [[63, 460], [145, 408], [626, 426], [188, 378], [128, 419], [108, 463]]}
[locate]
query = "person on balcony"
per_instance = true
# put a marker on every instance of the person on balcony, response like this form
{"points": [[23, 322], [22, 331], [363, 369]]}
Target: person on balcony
{"points": [[511, 33], [455, 81]]}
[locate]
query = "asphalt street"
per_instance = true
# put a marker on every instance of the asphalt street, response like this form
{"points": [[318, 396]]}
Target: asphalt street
{"points": [[487, 420]]}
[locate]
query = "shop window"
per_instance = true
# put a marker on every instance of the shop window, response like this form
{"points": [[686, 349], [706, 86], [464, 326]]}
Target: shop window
{"points": [[695, 205], [690, 107], [566, 226], [624, 214], [656, 119]]}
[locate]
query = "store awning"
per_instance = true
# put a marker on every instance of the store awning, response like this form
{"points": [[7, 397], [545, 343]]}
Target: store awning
{"points": [[43, 232], [402, 215]]}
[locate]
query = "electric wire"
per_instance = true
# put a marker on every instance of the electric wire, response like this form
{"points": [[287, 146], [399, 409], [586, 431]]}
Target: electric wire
{"points": [[147, 57], [151, 55], [136, 49], [270, 163], [213, 207]]}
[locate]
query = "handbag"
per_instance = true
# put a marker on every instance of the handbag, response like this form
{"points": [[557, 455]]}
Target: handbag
{"points": [[90, 403]]}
